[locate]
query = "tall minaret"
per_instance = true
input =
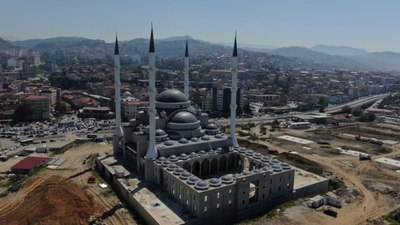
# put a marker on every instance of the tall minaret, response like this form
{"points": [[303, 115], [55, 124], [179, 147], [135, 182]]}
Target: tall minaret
{"points": [[151, 151], [186, 70], [118, 127], [233, 94]]}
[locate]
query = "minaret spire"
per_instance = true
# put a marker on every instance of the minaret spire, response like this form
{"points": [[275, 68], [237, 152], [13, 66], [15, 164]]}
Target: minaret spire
{"points": [[233, 94], [116, 48], [186, 48], [152, 151], [186, 70], [234, 54], [151, 46], [118, 132]]}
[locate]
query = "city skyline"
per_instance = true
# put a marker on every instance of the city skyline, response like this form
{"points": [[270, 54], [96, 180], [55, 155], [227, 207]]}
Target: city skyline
{"points": [[370, 25]]}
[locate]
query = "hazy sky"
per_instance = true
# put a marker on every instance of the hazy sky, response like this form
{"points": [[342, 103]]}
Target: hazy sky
{"points": [[369, 24]]}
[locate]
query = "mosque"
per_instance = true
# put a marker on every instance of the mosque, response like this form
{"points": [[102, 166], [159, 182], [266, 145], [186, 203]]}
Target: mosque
{"points": [[174, 151]]}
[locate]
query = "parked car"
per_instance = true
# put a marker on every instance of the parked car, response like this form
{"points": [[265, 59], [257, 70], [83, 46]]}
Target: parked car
{"points": [[330, 212]]}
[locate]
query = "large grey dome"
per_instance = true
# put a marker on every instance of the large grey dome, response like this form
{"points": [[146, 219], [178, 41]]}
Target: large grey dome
{"points": [[184, 117], [171, 96]]}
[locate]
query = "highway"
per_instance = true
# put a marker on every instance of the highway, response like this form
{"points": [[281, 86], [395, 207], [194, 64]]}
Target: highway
{"points": [[333, 109], [356, 103]]}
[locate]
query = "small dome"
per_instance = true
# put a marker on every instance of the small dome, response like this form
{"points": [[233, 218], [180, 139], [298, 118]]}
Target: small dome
{"points": [[169, 143], [227, 179], [171, 96], [237, 175], [275, 161], [256, 171], [178, 171], [285, 166], [242, 150], [194, 139], [201, 185], [183, 141], [172, 167], [205, 138], [183, 156], [185, 175], [257, 155], [249, 152], [165, 163], [193, 179], [265, 159], [267, 169], [127, 94], [219, 136], [184, 117], [160, 132], [202, 152], [246, 172], [161, 159], [276, 168], [211, 126], [173, 158], [215, 182], [193, 155]]}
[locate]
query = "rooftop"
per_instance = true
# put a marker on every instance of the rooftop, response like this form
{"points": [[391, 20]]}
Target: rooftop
{"points": [[28, 163], [35, 97]]}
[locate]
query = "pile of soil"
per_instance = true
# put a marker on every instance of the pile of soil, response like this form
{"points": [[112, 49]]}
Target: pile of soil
{"points": [[56, 202], [302, 163]]}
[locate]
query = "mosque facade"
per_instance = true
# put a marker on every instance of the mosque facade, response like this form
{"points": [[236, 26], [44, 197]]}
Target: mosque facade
{"points": [[173, 147]]}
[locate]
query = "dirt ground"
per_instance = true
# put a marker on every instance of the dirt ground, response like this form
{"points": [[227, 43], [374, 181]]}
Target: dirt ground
{"points": [[53, 199], [79, 200]]}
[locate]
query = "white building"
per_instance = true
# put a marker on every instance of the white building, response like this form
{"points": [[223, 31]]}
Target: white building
{"points": [[131, 107], [264, 98]]}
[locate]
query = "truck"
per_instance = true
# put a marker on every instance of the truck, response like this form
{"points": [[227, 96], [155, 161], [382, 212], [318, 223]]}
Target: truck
{"points": [[364, 156]]}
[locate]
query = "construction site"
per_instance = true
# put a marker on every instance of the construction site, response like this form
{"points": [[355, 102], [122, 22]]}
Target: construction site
{"points": [[368, 190], [360, 159], [69, 193]]}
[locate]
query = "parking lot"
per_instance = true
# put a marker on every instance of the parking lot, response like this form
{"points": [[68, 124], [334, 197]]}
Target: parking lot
{"points": [[14, 140]]}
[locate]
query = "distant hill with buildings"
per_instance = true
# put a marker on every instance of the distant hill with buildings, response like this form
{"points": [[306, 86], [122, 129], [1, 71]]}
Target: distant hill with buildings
{"points": [[322, 56]]}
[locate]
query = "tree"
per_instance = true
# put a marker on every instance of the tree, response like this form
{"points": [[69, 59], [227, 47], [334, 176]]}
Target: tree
{"points": [[357, 112], [23, 112], [322, 101], [346, 109], [253, 137], [275, 124], [367, 117], [247, 109], [61, 107]]}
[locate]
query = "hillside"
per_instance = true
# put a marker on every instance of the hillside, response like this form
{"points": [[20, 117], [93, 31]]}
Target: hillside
{"points": [[5, 44], [318, 57], [339, 50], [381, 60], [57, 42]]}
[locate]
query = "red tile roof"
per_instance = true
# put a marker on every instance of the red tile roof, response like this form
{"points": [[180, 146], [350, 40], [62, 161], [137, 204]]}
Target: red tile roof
{"points": [[35, 97], [29, 163]]}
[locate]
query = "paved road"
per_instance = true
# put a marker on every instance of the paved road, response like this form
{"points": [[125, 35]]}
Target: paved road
{"points": [[356, 103]]}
